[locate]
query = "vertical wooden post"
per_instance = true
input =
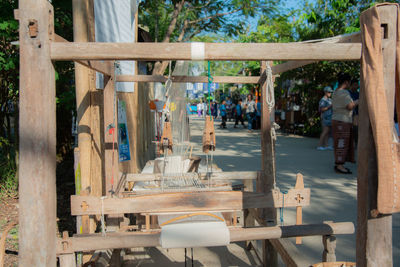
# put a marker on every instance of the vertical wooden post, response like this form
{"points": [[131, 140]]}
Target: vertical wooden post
{"points": [[374, 235], [37, 120], [82, 94], [249, 220], [329, 254], [270, 257]]}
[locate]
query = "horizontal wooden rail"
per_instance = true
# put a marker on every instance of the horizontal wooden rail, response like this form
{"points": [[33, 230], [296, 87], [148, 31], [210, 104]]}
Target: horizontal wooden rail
{"points": [[244, 175], [105, 68], [212, 51], [152, 239], [188, 202], [189, 79]]}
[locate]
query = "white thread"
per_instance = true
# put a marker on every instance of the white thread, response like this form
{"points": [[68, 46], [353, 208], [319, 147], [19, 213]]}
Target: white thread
{"points": [[103, 224], [197, 51]]}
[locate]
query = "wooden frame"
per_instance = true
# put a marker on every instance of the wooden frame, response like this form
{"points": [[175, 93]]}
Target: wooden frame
{"points": [[38, 126]]}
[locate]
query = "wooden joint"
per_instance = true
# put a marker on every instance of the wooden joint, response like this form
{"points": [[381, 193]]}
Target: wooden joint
{"points": [[33, 28], [65, 242], [16, 14]]}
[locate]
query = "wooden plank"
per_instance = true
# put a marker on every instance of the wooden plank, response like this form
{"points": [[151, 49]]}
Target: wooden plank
{"points": [[240, 175], [37, 132], [213, 51], [187, 201], [110, 137], [374, 234], [152, 238], [289, 253], [267, 178], [189, 79]]}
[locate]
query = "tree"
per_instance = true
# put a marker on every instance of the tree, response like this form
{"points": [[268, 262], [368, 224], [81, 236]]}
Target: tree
{"points": [[181, 20]]}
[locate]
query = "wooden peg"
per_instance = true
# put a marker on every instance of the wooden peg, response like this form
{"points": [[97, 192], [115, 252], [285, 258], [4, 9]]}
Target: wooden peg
{"points": [[299, 210], [167, 138], [209, 135]]}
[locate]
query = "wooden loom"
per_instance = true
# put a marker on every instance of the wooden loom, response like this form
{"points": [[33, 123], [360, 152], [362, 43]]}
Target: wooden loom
{"points": [[38, 128]]}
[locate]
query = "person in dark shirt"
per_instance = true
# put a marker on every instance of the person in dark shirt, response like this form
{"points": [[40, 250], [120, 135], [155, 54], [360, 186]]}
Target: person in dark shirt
{"points": [[222, 110], [239, 114], [355, 95]]}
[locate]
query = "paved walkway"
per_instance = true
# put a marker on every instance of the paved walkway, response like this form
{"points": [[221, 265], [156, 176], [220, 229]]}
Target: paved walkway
{"points": [[333, 196]]}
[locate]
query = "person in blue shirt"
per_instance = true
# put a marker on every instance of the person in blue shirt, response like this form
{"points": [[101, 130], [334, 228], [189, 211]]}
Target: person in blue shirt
{"points": [[355, 95], [258, 114], [223, 113], [239, 114]]}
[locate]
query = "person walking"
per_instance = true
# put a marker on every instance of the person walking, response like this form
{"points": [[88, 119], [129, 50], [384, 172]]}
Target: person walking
{"points": [[223, 113], [250, 111], [239, 114], [325, 108], [342, 107]]}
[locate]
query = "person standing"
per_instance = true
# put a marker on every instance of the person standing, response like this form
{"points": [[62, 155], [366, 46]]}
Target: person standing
{"points": [[200, 109], [223, 113], [239, 114], [250, 111], [342, 107], [355, 95], [325, 108]]}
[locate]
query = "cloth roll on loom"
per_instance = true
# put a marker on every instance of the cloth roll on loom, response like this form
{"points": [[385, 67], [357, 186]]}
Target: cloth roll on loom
{"points": [[199, 230]]}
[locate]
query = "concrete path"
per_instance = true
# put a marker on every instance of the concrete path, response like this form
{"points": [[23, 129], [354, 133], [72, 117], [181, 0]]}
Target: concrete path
{"points": [[333, 196]]}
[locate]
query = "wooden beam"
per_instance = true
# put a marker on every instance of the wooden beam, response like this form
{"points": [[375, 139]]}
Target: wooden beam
{"points": [[188, 201], [347, 38], [243, 175], [152, 239], [213, 51], [103, 67], [189, 79], [267, 178], [374, 233], [37, 132]]}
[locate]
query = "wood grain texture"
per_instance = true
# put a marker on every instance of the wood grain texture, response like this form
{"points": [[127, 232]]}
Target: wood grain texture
{"points": [[213, 51], [37, 148], [188, 201]]}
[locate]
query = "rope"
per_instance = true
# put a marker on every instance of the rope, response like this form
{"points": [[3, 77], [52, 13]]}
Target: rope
{"points": [[103, 224], [284, 192], [270, 89]]}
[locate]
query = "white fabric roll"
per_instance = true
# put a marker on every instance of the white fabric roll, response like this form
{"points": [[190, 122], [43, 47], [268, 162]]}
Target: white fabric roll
{"points": [[195, 234]]}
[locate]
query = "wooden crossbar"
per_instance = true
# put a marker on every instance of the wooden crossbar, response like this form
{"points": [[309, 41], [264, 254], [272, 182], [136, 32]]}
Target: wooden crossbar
{"points": [[152, 239], [189, 79], [103, 67], [188, 201], [213, 51]]}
